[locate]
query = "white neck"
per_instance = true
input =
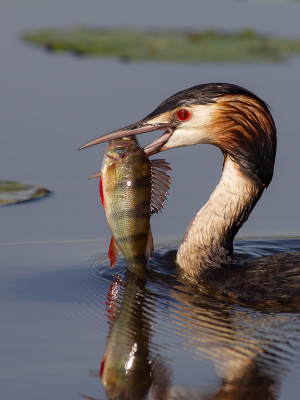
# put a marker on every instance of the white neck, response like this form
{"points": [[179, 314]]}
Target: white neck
{"points": [[208, 240]]}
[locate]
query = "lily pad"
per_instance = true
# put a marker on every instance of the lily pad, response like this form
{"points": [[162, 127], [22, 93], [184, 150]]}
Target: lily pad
{"points": [[166, 45], [15, 192]]}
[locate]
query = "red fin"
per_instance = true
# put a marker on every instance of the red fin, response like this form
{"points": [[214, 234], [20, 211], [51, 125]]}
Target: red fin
{"points": [[102, 366], [113, 252], [101, 192], [150, 247]]}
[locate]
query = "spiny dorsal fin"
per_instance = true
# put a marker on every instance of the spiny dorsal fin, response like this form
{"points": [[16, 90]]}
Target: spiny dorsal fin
{"points": [[160, 184]]}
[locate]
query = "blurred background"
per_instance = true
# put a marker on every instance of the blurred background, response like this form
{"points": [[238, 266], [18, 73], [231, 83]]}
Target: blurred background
{"points": [[52, 103]]}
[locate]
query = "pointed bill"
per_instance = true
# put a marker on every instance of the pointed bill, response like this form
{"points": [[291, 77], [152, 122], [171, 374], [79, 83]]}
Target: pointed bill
{"points": [[136, 129]]}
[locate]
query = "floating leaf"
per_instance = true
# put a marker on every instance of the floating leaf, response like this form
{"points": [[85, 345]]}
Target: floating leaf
{"points": [[15, 192], [166, 45]]}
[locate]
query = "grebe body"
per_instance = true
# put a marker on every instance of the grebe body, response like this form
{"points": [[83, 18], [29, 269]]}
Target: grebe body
{"points": [[241, 125]]}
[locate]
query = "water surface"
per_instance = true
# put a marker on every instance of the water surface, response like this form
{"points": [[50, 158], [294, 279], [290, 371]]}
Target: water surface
{"points": [[55, 323]]}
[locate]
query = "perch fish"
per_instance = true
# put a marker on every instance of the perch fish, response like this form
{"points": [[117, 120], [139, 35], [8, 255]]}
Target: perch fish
{"points": [[132, 188]]}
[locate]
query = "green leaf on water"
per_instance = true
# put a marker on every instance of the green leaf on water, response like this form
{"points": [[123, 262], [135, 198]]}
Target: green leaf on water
{"points": [[166, 45], [15, 192]]}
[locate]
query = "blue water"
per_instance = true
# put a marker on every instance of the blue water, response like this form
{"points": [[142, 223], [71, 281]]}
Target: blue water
{"points": [[55, 322], [55, 280]]}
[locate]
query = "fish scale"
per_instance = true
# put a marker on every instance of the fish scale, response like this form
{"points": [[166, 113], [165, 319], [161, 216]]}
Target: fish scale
{"points": [[130, 195]]}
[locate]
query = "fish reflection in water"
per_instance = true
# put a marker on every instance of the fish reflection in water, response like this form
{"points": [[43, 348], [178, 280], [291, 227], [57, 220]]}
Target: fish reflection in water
{"points": [[128, 369], [126, 365], [247, 347]]}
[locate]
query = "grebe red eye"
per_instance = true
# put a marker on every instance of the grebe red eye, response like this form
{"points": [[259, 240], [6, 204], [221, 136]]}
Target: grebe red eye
{"points": [[183, 114]]}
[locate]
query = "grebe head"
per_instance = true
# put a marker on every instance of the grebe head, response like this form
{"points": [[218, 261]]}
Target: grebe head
{"points": [[225, 115]]}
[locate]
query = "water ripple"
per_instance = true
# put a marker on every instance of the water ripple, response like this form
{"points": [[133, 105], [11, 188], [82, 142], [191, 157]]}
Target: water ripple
{"points": [[176, 327]]}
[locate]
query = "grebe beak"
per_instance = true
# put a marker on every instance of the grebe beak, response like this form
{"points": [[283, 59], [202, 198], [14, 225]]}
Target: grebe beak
{"points": [[136, 129]]}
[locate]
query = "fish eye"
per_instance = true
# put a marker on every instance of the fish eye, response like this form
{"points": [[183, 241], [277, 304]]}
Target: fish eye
{"points": [[117, 153], [183, 114]]}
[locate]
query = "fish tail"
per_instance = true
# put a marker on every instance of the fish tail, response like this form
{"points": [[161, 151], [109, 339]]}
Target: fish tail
{"points": [[137, 264]]}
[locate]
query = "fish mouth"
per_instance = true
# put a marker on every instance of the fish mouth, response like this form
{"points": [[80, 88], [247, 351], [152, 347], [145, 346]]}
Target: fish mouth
{"points": [[136, 129]]}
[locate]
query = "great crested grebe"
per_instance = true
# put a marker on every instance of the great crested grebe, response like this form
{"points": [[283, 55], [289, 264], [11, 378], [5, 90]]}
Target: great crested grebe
{"points": [[241, 125]]}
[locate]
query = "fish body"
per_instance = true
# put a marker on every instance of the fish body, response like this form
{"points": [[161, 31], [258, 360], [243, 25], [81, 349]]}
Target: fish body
{"points": [[127, 184]]}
